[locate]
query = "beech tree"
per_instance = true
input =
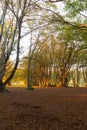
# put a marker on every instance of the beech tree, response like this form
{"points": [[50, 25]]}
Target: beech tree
{"points": [[75, 17], [11, 23]]}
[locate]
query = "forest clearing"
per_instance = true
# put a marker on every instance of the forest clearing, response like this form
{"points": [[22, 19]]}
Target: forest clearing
{"points": [[46, 108], [43, 43]]}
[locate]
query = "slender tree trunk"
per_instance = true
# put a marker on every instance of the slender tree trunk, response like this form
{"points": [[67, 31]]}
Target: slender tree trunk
{"points": [[17, 58], [84, 72], [29, 80], [77, 77], [65, 83], [64, 79]]}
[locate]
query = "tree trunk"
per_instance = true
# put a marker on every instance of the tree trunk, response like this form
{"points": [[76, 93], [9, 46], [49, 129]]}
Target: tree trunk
{"points": [[65, 82], [2, 86], [29, 80], [64, 79]]}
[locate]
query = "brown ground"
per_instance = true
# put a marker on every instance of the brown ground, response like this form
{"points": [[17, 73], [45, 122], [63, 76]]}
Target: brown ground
{"points": [[44, 109]]}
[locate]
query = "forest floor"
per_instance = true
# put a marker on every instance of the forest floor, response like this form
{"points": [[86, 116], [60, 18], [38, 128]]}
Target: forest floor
{"points": [[44, 109]]}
